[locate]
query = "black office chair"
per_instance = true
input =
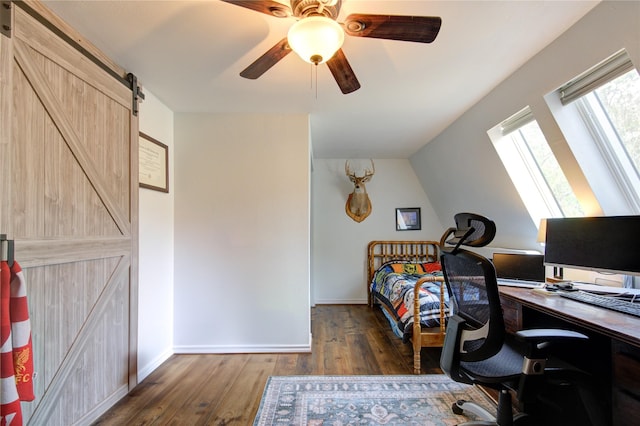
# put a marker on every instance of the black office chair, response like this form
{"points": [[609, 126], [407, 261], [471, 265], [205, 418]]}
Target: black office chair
{"points": [[477, 349]]}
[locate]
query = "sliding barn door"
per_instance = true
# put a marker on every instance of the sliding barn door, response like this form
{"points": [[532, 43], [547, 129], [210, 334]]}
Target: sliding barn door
{"points": [[69, 200]]}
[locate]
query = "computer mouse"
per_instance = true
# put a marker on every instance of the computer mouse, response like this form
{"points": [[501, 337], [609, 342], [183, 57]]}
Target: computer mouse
{"points": [[565, 286]]}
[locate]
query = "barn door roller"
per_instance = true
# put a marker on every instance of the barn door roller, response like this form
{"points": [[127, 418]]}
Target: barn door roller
{"points": [[136, 92], [5, 19]]}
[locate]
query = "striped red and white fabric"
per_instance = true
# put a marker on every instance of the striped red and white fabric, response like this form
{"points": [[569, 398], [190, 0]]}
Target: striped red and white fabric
{"points": [[16, 356]]}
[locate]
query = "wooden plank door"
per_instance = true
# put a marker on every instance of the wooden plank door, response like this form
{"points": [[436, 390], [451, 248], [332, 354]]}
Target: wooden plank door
{"points": [[69, 196]]}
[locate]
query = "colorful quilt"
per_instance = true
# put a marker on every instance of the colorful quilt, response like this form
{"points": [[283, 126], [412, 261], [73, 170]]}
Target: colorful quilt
{"points": [[393, 284]]}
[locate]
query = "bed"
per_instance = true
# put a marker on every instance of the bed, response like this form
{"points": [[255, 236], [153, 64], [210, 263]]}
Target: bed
{"points": [[395, 270]]}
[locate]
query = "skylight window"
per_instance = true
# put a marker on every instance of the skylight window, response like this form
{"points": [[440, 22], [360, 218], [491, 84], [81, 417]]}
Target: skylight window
{"points": [[533, 168], [612, 114], [607, 100], [598, 113]]}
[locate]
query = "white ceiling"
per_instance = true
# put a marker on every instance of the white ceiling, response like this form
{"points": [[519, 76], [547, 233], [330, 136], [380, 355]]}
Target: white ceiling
{"points": [[189, 55]]}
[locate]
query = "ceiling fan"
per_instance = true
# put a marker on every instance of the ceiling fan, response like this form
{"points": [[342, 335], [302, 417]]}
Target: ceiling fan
{"points": [[317, 36]]}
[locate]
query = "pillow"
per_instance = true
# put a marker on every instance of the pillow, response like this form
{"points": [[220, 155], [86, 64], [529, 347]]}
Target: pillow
{"points": [[432, 267], [402, 267]]}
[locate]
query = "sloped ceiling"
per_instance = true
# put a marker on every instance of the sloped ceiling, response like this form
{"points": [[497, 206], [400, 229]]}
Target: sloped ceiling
{"points": [[189, 54]]}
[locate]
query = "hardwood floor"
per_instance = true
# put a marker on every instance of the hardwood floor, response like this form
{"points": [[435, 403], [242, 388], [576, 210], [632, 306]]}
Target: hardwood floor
{"points": [[226, 389]]}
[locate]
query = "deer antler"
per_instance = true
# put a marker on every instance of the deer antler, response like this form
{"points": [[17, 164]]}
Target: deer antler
{"points": [[348, 171], [369, 173]]}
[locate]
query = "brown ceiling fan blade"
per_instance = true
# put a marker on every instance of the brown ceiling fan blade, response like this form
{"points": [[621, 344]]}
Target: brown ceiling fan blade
{"points": [[266, 61], [269, 7], [421, 29], [343, 73]]}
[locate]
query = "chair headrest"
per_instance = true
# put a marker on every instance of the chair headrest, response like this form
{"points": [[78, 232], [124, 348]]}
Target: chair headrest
{"points": [[471, 230]]}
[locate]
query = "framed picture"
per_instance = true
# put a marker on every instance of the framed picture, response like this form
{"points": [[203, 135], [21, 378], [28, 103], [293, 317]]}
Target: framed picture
{"points": [[408, 219], [153, 168]]}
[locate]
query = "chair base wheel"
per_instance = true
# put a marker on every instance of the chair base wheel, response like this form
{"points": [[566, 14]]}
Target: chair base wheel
{"points": [[461, 406]]}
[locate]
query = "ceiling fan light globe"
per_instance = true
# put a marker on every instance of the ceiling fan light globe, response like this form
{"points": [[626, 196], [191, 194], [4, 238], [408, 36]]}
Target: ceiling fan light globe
{"points": [[316, 38]]}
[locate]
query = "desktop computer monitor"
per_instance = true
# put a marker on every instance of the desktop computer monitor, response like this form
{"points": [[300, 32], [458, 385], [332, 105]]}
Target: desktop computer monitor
{"points": [[519, 266], [601, 244]]}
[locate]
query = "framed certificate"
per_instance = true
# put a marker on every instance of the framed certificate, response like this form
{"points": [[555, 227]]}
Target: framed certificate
{"points": [[153, 168]]}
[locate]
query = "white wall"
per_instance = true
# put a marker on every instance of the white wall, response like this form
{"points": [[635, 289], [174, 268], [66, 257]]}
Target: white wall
{"points": [[242, 233], [155, 304], [339, 254], [460, 169]]}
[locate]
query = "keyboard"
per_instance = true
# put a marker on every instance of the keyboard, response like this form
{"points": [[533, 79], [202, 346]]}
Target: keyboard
{"points": [[607, 302]]}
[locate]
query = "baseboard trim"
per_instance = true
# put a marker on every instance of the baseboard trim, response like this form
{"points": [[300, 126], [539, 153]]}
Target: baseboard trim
{"points": [[341, 301], [225, 349], [155, 363]]}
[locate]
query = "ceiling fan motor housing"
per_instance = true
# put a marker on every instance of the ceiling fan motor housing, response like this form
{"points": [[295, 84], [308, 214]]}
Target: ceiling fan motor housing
{"points": [[328, 8]]}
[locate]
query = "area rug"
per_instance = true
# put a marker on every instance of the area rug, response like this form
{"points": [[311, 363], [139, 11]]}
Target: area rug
{"points": [[423, 400]]}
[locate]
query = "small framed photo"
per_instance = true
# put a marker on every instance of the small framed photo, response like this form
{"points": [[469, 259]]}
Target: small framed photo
{"points": [[408, 219], [153, 164]]}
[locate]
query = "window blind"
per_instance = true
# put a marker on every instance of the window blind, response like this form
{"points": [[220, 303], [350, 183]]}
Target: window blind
{"points": [[595, 77]]}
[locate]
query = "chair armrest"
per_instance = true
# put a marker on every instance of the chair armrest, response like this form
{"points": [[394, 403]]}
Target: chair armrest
{"points": [[548, 335], [540, 340]]}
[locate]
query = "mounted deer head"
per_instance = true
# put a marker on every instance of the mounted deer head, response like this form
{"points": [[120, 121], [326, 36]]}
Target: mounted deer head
{"points": [[358, 205]]}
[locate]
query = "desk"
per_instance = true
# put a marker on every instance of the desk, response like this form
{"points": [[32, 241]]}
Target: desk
{"points": [[614, 355]]}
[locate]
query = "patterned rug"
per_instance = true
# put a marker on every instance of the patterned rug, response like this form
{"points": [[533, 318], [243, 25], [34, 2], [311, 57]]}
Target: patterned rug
{"points": [[423, 400]]}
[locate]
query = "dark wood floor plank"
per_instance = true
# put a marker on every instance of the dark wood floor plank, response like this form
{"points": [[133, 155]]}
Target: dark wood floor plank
{"points": [[203, 400], [391, 361], [240, 401], [306, 364], [285, 364], [149, 394], [221, 389], [182, 391], [336, 360], [364, 360], [430, 360]]}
